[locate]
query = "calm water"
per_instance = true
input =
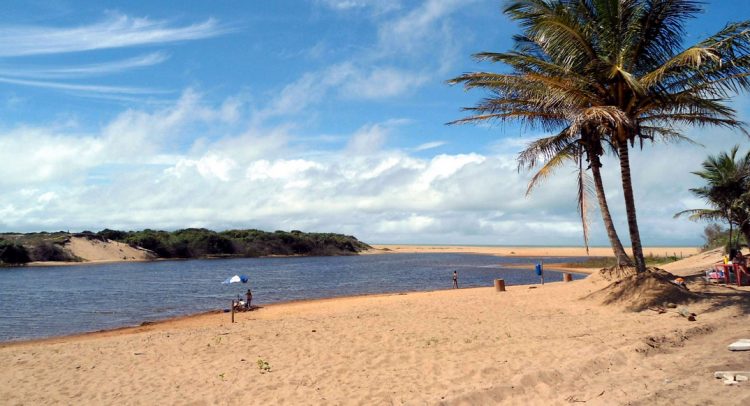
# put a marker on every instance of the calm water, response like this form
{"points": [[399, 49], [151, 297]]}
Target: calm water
{"points": [[51, 301]]}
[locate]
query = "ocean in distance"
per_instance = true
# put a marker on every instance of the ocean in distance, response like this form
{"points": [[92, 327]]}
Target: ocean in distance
{"points": [[38, 302]]}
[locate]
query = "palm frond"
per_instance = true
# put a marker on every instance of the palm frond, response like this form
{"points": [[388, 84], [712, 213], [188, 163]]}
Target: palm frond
{"points": [[569, 153], [545, 149], [701, 215]]}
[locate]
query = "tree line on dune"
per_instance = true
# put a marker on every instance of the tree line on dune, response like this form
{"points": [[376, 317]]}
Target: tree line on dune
{"points": [[605, 77], [185, 243]]}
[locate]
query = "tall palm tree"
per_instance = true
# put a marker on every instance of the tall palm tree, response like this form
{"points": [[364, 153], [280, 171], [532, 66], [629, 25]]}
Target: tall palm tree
{"points": [[579, 142], [727, 191], [580, 139], [623, 55]]}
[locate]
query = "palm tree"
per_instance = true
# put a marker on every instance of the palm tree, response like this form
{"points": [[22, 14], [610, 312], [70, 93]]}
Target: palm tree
{"points": [[579, 142], [727, 191], [579, 139], [621, 55]]}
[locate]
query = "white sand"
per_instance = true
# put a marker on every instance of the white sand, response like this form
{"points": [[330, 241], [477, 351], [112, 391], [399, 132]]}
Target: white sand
{"points": [[96, 251], [530, 251]]}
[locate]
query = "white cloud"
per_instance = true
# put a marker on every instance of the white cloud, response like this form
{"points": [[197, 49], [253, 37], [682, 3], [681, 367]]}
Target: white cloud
{"points": [[129, 175], [65, 72], [96, 89], [377, 6], [117, 31], [280, 169], [210, 166], [411, 39], [381, 82], [429, 145], [367, 140], [416, 30]]}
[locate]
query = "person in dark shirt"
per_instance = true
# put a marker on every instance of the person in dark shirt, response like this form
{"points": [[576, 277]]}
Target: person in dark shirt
{"points": [[455, 279]]}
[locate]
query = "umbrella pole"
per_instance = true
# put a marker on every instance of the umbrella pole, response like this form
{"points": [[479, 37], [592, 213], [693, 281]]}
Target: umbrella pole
{"points": [[232, 310]]}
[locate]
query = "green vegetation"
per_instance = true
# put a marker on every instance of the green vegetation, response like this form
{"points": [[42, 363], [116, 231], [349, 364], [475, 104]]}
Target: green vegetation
{"points": [[185, 243], [18, 249], [263, 366], [607, 262], [715, 236], [727, 192], [200, 243], [608, 76], [12, 253]]}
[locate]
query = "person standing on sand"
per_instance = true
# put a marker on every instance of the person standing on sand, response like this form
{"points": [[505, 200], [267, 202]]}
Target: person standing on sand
{"points": [[455, 279], [249, 296]]}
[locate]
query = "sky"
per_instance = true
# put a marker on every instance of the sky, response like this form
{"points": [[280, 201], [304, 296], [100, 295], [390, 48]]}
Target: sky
{"points": [[312, 115]]}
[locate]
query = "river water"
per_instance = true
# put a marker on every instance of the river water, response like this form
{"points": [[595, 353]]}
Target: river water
{"points": [[38, 302]]}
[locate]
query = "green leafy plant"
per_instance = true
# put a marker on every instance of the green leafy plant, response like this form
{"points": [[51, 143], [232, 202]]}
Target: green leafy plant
{"points": [[263, 366]]}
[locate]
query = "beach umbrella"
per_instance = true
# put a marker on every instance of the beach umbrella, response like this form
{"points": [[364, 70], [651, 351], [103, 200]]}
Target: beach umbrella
{"points": [[236, 279]]}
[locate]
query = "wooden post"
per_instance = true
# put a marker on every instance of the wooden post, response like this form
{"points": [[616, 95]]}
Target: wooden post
{"points": [[500, 285], [232, 310], [542, 263], [567, 277]]}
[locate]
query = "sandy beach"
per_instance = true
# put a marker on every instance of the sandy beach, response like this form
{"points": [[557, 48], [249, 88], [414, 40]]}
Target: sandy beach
{"points": [[531, 251], [530, 345]]}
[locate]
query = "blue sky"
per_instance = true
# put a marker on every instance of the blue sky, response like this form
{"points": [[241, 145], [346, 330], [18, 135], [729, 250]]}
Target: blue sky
{"points": [[319, 115]]}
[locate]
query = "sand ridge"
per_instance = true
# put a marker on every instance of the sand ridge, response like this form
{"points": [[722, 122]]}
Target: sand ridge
{"points": [[528, 251]]}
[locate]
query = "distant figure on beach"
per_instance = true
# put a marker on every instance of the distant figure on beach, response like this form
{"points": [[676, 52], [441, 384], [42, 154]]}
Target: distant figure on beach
{"points": [[455, 279], [249, 296]]}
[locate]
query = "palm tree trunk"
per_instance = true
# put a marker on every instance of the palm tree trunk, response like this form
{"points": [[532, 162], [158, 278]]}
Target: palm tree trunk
{"points": [[729, 217], [622, 257], [627, 189]]}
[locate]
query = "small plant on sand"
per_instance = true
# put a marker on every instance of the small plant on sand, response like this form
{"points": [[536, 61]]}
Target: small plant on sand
{"points": [[263, 366], [221, 376]]}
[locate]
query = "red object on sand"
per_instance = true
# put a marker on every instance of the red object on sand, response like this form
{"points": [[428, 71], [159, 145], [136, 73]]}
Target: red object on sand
{"points": [[727, 268]]}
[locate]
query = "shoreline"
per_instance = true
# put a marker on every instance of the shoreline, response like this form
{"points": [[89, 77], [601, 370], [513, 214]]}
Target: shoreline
{"points": [[530, 251], [546, 345], [148, 325], [378, 249]]}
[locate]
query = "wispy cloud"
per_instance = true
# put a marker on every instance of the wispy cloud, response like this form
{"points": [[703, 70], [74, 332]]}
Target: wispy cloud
{"points": [[82, 88], [117, 31], [68, 72], [429, 145], [401, 60], [377, 6]]}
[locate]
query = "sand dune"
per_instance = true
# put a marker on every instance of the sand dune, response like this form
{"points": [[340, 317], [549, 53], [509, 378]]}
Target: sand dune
{"points": [[97, 251], [540, 345]]}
